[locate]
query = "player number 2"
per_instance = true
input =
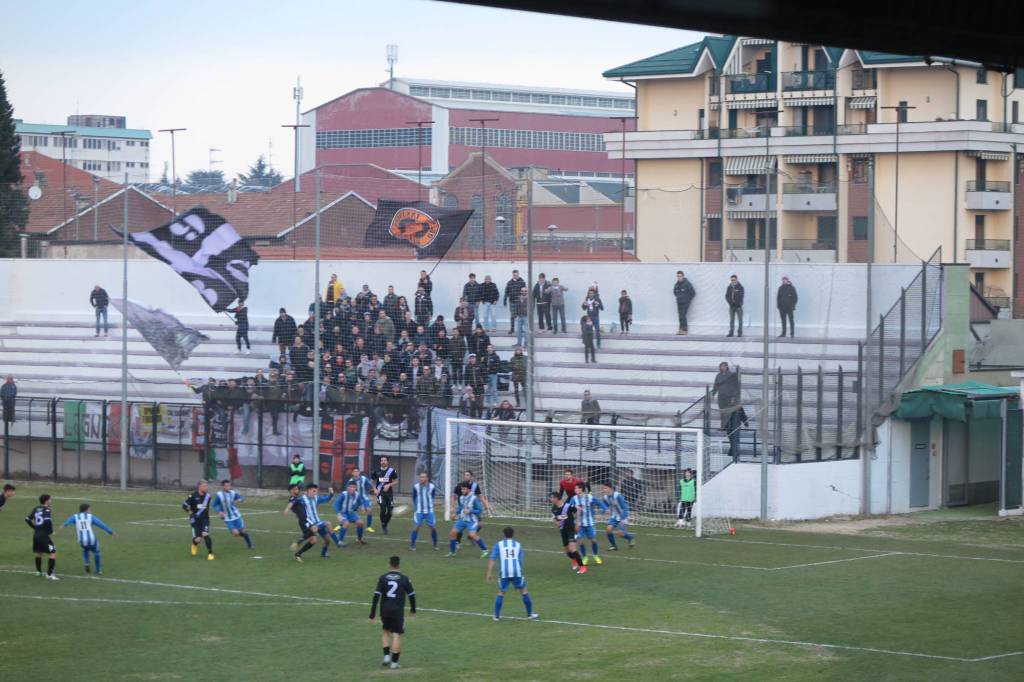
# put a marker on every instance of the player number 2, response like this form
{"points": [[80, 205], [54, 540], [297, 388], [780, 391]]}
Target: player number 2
{"points": [[392, 589]]}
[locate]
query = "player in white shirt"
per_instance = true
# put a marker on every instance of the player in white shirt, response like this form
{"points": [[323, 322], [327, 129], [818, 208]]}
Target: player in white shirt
{"points": [[508, 554], [84, 521], [423, 495]]}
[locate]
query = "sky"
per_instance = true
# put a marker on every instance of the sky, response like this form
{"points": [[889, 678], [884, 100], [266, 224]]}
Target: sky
{"points": [[225, 71]]}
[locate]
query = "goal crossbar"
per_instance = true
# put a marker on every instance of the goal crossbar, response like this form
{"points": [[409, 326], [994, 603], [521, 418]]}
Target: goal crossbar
{"points": [[450, 423]]}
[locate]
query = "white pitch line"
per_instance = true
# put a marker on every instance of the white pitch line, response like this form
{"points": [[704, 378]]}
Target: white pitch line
{"points": [[835, 561], [874, 549], [179, 518], [599, 626], [146, 602], [106, 501]]}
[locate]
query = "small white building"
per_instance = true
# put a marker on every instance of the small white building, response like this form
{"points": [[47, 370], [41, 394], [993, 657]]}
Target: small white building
{"points": [[104, 147]]}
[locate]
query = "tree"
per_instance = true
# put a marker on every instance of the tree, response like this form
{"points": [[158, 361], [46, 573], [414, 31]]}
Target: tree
{"points": [[211, 180], [260, 174], [13, 202]]}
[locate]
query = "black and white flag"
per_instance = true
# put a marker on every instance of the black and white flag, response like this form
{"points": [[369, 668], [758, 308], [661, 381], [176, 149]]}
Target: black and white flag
{"points": [[169, 337], [206, 251]]}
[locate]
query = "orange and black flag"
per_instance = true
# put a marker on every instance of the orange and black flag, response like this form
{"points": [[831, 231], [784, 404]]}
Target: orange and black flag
{"points": [[430, 229]]}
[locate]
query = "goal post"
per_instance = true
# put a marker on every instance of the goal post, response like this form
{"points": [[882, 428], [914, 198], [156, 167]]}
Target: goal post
{"points": [[517, 465]]}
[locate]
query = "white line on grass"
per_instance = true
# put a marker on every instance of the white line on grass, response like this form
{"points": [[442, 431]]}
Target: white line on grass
{"points": [[179, 518], [835, 561], [599, 626], [146, 602], [106, 501], [874, 549]]}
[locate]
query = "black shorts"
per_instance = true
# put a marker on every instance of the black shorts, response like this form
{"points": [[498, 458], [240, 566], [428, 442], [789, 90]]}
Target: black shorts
{"points": [[200, 527], [386, 500], [307, 533], [42, 544], [393, 622], [568, 535]]}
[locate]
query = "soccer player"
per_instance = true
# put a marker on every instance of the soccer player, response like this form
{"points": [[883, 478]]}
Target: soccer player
{"points": [[687, 495], [7, 494], [365, 486], [618, 517], [423, 494], [508, 553], [296, 470], [468, 484], [585, 524], [567, 485], [225, 503], [311, 500], [385, 479], [392, 589], [40, 520], [347, 506], [565, 518], [297, 506], [83, 522], [469, 510], [197, 507]]}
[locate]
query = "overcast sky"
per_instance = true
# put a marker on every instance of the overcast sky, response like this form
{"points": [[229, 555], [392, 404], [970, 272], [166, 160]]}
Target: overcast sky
{"points": [[225, 71]]}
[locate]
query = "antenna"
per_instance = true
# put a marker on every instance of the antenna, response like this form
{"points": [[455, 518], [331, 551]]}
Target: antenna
{"points": [[213, 160], [392, 60]]}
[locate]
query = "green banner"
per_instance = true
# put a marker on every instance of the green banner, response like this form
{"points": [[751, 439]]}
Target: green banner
{"points": [[74, 420]]}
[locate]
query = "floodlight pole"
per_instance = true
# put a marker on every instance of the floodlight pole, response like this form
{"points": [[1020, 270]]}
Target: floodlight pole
{"points": [[762, 418], [174, 168], [124, 342], [296, 181], [530, 416], [63, 135], [316, 341], [483, 177], [419, 155]]}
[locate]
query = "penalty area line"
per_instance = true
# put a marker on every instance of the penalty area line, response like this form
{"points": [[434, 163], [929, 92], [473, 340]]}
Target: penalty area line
{"points": [[146, 602], [597, 626]]}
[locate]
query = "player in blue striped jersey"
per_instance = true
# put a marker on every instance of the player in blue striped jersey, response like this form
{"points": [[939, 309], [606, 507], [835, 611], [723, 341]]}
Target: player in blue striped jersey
{"points": [[508, 554], [225, 503], [305, 507], [423, 494], [347, 506], [365, 486], [586, 524], [84, 521], [469, 511], [618, 516]]}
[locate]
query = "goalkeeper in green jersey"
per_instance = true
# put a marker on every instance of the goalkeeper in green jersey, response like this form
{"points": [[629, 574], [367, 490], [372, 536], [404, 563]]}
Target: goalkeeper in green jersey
{"points": [[687, 496]]}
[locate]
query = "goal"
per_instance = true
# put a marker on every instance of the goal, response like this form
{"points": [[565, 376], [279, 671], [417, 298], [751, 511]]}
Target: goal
{"points": [[518, 464]]}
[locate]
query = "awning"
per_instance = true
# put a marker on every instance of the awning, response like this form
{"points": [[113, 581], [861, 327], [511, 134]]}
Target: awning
{"points": [[990, 156], [860, 102], [811, 158], [808, 101], [747, 165], [751, 215], [951, 401], [714, 106], [751, 104], [758, 41], [713, 214]]}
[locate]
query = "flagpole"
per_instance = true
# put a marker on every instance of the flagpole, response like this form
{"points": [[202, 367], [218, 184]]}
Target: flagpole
{"points": [[316, 342], [124, 342]]}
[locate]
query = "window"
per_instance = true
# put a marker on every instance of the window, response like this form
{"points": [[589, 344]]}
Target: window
{"points": [[860, 228], [505, 230], [979, 228], [92, 143], [113, 166], [451, 201], [373, 137], [443, 93], [714, 174], [1015, 112], [714, 229], [901, 113], [129, 143], [476, 222], [981, 76], [144, 164], [859, 171], [129, 164], [460, 93], [981, 110], [144, 143], [524, 139]]}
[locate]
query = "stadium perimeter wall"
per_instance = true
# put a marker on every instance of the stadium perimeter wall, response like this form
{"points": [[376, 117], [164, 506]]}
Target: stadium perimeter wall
{"points": [[833, 296]]}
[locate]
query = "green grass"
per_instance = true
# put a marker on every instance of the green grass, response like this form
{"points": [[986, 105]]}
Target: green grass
{"points": [[271, 618]]}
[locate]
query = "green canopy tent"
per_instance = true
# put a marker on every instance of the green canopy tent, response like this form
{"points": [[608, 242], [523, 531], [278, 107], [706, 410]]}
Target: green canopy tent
{"points": [[983, 440]]}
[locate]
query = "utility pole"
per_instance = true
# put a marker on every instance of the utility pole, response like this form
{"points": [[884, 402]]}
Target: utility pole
{"points": [[483, 177], [297, 96], [392, 60], [622, 228], [762, 419], [63, 135], [295, 181], [901, 110], [174, 169], [212, 160], [419, 154]]}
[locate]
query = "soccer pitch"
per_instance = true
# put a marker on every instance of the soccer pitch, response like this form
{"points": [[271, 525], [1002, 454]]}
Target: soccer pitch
{"points": [[933, 601]]}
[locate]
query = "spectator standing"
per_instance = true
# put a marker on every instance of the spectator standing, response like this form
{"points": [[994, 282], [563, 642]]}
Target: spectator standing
{"points": [[457, 355], [464, 316], [587, 334], [786, 299], [99, 300], [488, 299], [425, 283], [727, 389], [386, 324], [472, 291], [520, 303], [476, 378], [734, 297], [557, 304], [284, 329], [492, 361], [590, 410], [390, 303], [335, 290], [241, 312], [424, 307], [684, 293], [625, 312], [542, 302], [8, 393], [518, 365], [478, 343], [593, 306], [512, 289]]}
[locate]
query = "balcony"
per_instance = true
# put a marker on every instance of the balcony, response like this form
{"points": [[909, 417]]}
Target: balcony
{"points": [[808, 196], [852, 129], [865, 79], [804, 131], [746, 250], [744, 133], [749, 83], [749, 199], [989, 195], [808, 251], [808, 80], [989, 253]]}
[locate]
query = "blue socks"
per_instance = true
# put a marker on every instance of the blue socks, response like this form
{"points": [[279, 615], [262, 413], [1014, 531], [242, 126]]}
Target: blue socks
{"points": [[415, 534], [96, 555], [497, 604], [627, 536], [452, 544], [433, 536], [341, 534], [369, 520], [583, 549], [323, 552], [528, 603], [359, 532], [611, 539], [85, 556], [593, 546], [481, 545], [248, 540]]}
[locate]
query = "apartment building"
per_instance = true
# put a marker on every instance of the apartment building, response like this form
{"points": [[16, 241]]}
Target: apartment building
{"points": [[812, 153], [99, 144]]}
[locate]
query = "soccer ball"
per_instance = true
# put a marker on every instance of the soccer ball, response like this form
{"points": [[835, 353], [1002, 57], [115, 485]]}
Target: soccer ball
{"points": [[680, 523]]}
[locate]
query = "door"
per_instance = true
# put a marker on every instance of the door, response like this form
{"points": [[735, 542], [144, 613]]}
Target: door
{"points": [[733, 118], [827, 233], [954, 460], [920, 456]]}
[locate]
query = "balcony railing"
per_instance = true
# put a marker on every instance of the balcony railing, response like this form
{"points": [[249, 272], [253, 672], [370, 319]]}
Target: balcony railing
{"points": [[988, 244], [744, 133], [808, 245], [744, 83], [808, 80], [852, 129], [865, 79], [988, 186], [808, 188], [1001, 302], [803, 131], [745, 244]]}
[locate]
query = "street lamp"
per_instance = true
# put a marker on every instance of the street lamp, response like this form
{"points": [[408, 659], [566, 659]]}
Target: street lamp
{"points": [[901, 112], [483, 175], [551, 236], [499, 227]]}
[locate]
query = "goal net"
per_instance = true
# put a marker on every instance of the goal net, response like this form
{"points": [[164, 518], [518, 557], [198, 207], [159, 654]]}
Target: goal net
{"points": [[518, 464]]}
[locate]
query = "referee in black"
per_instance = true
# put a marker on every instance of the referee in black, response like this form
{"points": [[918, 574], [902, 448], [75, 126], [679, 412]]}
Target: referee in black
{"points": [[384, 479], [392, 589]]}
